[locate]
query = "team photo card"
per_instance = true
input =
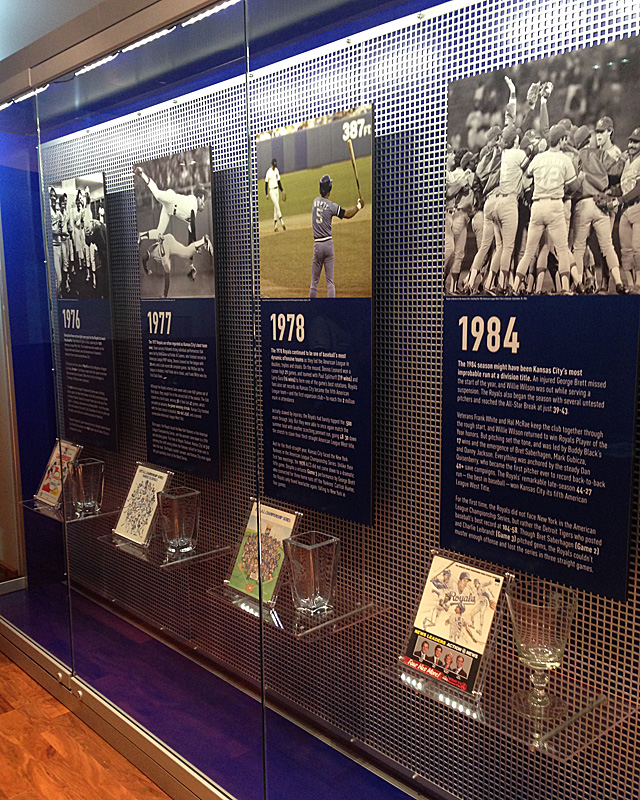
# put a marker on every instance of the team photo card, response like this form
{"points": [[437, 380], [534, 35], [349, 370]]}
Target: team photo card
{"points": [[52, 483], [139, 510], [274, 527]]}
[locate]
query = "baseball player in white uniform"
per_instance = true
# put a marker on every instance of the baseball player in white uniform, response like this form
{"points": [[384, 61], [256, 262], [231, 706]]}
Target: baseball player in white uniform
{"points": [[166, 246], [553, 175], [77, 229], [89, 249], [56, 235], [458, 625], [66, 242], [182, 206], [442, 591], [629, 198], [604, 138], [272, 188], [485, 601]]}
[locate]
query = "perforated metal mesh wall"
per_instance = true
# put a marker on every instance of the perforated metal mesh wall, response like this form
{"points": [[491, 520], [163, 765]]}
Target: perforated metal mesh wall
{"points": [[175, 600], [403, 69]]}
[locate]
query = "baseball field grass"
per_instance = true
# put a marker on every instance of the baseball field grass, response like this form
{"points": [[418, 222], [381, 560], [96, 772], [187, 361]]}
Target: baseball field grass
{"points": [[286, 256]]}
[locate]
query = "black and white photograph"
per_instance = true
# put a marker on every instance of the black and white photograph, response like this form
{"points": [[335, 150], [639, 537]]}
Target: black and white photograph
{"points": [[175, 225], [543, 177], [78, 230]]}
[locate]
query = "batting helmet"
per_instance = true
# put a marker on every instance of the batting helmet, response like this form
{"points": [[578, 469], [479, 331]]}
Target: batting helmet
{"points": [[325, 185]]}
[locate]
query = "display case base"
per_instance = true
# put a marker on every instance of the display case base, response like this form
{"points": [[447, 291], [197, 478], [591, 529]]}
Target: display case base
{"points": [[109, 508]]}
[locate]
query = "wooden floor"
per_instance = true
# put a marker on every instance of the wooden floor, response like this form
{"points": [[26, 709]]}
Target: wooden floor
{"points": [[48, 753]]}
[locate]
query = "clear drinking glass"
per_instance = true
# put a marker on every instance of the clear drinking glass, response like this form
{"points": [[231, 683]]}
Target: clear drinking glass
{"points": [[179, 512], [313, 559], [87, 485], [542, 616]]}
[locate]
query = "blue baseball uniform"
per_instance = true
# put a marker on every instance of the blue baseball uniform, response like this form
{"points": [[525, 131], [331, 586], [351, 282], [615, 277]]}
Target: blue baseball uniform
{"points": [[322, 213]]}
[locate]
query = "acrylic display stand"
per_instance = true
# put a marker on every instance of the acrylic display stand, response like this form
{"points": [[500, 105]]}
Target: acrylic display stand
{"points": [[347, 609], [155, 553]]}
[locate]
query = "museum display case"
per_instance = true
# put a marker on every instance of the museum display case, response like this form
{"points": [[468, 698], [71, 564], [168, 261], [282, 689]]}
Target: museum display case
{"points": [[276, 473]]}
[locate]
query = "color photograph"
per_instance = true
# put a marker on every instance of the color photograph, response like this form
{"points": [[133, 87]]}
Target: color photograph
{"points": [[315, 202], [175, 226]]}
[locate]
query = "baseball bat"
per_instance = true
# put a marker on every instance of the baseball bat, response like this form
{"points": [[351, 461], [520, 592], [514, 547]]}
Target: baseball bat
{"points": [[353, 164], [447, 566]]}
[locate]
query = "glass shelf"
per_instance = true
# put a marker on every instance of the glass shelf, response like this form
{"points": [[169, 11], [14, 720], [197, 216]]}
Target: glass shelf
{"points": [[591, 714], [348, 609], [109, 508], [156, 554]]}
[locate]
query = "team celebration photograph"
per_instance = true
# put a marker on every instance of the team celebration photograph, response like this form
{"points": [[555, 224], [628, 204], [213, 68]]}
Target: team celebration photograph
{"points": [[77, 224], [543, 177]]}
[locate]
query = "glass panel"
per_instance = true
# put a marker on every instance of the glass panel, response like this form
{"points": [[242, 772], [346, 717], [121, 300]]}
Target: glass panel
{"points": [[33, 549], [153, 319], [314, 144], [391, 688]]}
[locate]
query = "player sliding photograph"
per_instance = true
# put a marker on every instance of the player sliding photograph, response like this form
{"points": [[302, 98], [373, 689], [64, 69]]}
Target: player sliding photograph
{"points": [[175, 225], [316, 207]]}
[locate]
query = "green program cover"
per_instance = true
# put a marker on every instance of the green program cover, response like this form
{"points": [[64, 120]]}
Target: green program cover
{"points": [[275, 527]]}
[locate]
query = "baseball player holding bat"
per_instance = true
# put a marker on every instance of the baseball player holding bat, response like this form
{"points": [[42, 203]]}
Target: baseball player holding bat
{"points": [[322, 212]]}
